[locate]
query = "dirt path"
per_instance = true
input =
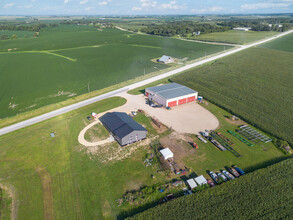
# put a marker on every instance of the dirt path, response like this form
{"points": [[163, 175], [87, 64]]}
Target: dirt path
{"points": [[14, 203], [47, 193], [86, 143]]}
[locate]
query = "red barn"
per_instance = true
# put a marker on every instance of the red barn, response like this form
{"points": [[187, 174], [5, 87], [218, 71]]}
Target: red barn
{"points": [[171, 94]]}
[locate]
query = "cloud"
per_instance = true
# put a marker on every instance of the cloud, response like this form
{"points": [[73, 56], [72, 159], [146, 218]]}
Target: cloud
{"points": [[83, 2], [66, 1], [106, 2], [136, 9], [148, 4], [89, 8], [265, 5], [8, 5], [26, 6], [207, 10], [172, 5]]}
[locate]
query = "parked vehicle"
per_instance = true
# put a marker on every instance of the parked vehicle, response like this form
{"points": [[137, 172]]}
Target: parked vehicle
{"points": [[211, 183], [221, 176], [240, 171], [234, 172], [89, 118], [214, 177], [193, 144], [228, 175], [168, 108]]}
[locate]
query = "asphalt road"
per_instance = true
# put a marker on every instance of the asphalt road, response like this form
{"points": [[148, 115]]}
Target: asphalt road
{"points": [[69, 108]]}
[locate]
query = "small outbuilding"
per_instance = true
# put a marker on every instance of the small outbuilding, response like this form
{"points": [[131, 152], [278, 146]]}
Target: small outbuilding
{"points": [[167, 153], [201, 180], [166, 59], [123, 128], [192, 184], [171, 94]]}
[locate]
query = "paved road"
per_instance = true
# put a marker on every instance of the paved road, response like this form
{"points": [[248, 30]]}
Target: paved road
{"points": [[69, 108]]}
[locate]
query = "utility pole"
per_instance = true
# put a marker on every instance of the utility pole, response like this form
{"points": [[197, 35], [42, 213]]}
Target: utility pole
{"points": [[205, 54], [144, 72], [88, 87]]}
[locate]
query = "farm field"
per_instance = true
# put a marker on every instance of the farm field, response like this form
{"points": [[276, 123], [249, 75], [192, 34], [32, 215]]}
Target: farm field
{"points": [[235, 37], [263, 194], [85, 183], [19, 34], [254, 84], [283, 44], [71, 60]]}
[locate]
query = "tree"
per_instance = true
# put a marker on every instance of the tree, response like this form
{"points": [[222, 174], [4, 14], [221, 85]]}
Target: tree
{"points": [[14, 36], [4, 37]]}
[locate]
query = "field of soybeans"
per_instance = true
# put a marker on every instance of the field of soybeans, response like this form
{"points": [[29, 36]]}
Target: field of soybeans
{"points": [[70, 60], [255, 84]]}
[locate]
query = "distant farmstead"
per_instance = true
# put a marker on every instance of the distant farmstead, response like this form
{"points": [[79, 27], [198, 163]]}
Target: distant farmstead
{"points": [[242, 28], [123, 128], [166, 59], [171, 94]]}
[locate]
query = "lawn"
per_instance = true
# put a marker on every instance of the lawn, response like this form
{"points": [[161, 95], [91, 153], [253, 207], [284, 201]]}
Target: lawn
{"points": [[76, 183], [255, 84], [236, 37]]}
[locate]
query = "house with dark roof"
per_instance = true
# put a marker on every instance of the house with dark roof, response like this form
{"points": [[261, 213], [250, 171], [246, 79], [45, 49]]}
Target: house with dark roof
{"points": [[123, 128]]}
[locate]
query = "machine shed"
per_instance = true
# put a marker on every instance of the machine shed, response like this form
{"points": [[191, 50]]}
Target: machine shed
{"points": [[171, 94], [123, 128]]}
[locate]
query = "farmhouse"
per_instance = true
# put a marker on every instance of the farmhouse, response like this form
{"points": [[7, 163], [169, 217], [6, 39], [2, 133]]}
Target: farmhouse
{"points": [[166, 59], [171, 94], [123, 128]]}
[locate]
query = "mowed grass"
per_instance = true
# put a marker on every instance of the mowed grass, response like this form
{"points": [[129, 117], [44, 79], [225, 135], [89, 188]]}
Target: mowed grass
{"points": [[255, 84], [56, 177], [71, 60], [209, 157], [236, 37]]}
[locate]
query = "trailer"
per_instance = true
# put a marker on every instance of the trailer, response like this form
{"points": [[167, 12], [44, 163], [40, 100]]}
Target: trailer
{"points": [[224, 143], [202, 139], [217, 144]]}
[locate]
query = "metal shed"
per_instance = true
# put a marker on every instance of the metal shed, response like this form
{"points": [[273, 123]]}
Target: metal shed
{"points": [[123, 128], [192, 184], [171, 94], [201, 180], [166, 59]]}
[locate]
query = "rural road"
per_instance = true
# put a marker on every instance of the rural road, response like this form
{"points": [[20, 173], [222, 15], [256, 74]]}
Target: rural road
{"points": [[69, 108]]}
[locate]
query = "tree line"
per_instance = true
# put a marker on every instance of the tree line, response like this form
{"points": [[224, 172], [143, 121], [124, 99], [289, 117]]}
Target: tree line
{"points": [[185, 28], [182, 28]]}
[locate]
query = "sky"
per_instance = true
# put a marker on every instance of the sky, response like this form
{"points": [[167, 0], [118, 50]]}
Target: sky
{"points": [[143, 7]]}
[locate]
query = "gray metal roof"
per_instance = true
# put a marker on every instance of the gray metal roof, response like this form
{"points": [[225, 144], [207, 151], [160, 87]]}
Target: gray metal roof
{"points": [[165, 58], [120, 124], [171, 90]]}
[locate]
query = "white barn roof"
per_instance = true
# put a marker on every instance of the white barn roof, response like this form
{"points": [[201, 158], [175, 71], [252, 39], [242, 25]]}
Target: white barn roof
{"points": [[201, 180], [171, 90], [167, 153], [192, 184]]}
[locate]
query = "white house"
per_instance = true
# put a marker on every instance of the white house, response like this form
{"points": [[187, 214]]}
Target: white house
{"points": [[192, 184]]}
